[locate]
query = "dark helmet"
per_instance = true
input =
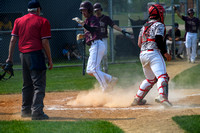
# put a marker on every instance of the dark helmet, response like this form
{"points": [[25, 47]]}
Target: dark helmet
{"points": [[190, 11], [156, 11], [86, 5], [97, 6], [176, 25]]}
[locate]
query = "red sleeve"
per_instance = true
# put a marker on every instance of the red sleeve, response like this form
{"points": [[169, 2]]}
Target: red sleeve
{"points": [[15, 31], [46, 29]]}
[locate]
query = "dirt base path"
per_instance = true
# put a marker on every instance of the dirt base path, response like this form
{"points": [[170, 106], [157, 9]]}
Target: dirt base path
{"points": [[114, 107]]}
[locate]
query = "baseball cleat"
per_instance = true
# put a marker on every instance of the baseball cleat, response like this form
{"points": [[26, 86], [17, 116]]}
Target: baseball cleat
{"points": [[163, 101], [138, 101], [111, 84]]}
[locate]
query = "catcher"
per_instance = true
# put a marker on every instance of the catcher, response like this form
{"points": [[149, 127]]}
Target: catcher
{"points": [[97, 47], [152, 46]]}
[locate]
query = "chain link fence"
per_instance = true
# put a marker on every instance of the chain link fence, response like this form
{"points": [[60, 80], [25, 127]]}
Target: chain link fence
{"points": [[128, 14]]}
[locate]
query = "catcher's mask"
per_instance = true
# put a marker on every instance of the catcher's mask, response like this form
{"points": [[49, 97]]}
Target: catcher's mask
{"points": [[157, 11], [6, 71]]}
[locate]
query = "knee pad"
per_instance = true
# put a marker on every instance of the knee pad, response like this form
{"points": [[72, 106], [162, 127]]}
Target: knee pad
{"points": [[145, 87], [163, 84]]}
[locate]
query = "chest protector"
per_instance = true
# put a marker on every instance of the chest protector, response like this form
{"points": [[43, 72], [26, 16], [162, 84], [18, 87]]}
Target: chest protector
{"points": [[145, 34]]}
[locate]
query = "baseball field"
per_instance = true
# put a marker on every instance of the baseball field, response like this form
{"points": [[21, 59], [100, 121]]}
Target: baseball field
{"points": [[70, 108]]}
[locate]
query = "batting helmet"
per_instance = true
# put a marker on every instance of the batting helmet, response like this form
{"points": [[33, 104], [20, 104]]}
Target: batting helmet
{"points": [[86, 5], [176, 25], [190, 11], [97, 6], [156, 11]]}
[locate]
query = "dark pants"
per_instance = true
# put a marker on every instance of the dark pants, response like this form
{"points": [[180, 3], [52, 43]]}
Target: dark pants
{"points": [[34, 83]]}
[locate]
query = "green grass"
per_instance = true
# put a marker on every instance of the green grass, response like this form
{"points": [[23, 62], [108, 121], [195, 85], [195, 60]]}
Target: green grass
{"points": [[71, 78], [188, 78], [191, 124], [58, 127]]}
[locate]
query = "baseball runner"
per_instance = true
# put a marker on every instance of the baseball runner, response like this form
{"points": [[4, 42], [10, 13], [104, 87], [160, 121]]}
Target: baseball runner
{"points": [[152, 46], [104, 22], [97, 47], [191, 26]]}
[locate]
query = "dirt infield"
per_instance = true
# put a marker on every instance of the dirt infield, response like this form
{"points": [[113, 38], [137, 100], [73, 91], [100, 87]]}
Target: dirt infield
{"points": [[114, 106]]}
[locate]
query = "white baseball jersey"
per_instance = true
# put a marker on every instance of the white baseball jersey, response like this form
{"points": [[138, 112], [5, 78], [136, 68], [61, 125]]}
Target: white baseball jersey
{"points": [[148, 38]]}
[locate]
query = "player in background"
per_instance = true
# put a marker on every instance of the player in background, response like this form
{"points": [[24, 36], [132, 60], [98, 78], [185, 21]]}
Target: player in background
{"points": [[97, 47], [104, 22], [152, 46], [191, 26]]}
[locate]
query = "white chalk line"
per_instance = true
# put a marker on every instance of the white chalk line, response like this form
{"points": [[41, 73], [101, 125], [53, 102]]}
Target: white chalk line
{"points": [[55, 107]]}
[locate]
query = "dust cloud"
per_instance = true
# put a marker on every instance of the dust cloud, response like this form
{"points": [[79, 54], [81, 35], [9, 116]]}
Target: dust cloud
{"points": [[121, 97]]}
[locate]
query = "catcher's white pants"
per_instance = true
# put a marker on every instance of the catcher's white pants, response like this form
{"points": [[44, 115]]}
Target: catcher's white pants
{"points": [[191, 42], [154, 68], [97, 50]]}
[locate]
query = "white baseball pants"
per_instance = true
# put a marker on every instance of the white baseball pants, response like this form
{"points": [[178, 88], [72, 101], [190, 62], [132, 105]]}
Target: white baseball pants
{"points": [[191, 42], [97, 50], [154, 68]]}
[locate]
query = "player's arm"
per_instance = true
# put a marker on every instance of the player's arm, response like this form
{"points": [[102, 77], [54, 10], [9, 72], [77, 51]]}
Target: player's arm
{"points": [[13, 41], [177, 12], [89, 28], [139, 41], [45, 44], [117, 28], [162, 46]]}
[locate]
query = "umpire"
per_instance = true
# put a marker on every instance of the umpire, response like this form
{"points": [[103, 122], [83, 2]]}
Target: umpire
{"points": [[33, 32]]}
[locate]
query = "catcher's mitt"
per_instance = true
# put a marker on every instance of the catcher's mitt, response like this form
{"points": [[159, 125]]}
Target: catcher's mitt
{"points": [[7, 68], [80, 36]]}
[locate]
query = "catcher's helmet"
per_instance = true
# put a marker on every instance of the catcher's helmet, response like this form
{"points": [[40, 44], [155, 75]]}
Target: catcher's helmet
{"points": [[86, 5], [156, 11], [190, 11], [97, 6]]}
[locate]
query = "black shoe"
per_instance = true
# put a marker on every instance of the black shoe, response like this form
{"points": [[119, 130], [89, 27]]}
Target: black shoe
{"points": [[40, 117], [178, 56], [25, 114]]}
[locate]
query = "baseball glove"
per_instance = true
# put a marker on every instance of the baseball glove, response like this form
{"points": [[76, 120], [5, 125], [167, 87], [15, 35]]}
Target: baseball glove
{"points": [[78, 20], [128, 34], [80, 36], [7, 68]]}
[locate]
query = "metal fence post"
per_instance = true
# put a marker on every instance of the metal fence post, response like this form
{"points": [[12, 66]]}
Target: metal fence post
{"points": [[173, 32], [111, 32], [186, 6]]}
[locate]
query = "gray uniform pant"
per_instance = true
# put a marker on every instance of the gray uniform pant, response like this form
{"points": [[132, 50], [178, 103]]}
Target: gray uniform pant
{"points": [[34, 84]]}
